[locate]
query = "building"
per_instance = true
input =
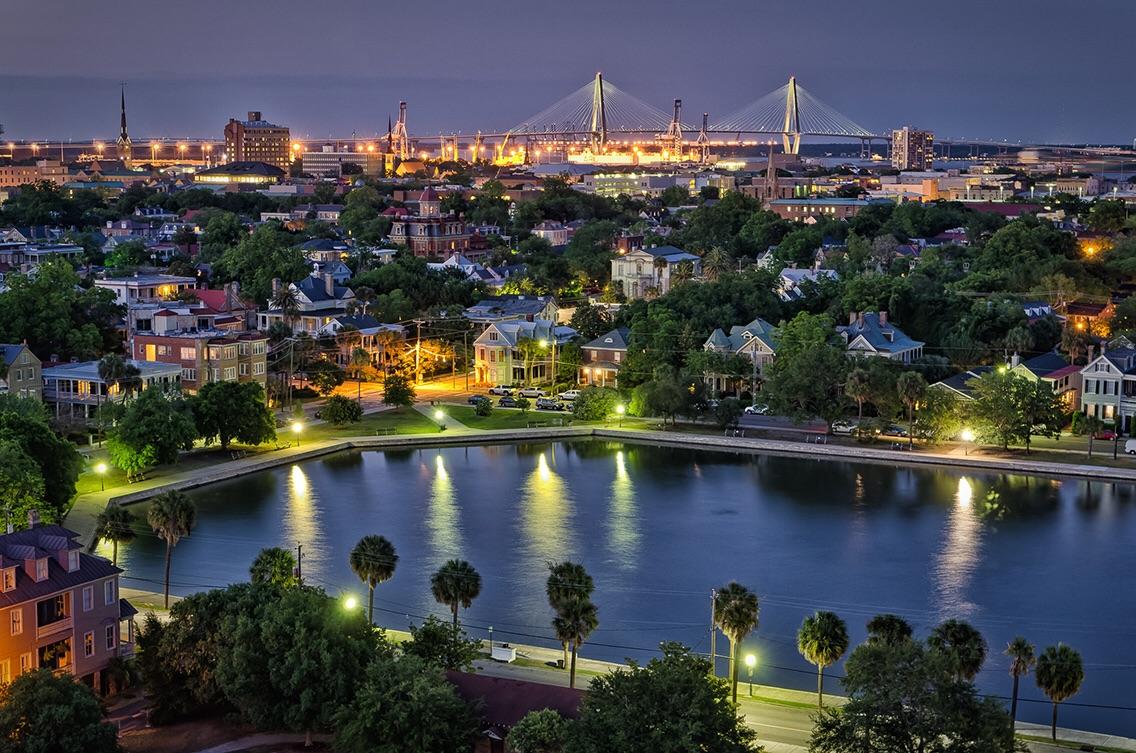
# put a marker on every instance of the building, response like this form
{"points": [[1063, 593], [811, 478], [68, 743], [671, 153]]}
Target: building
{"points": [[498, 360], [28, 256], [329, 162], [756, 342], [52, 171], [806, 210], [315, 302], [383, 343], [430, 233], [648, 271], [328, 213], [912, 149], [503, 702], [1055, 370], [602, 358], [202, 356], [960, 384], [794, 284], [146, 288], [21, 372], [503, 308], [257, 140], [74, 392], [1108, 387], [553, 232], [123, 146], [869, 333], [61, 606], [1089, 316], [246, 173]]}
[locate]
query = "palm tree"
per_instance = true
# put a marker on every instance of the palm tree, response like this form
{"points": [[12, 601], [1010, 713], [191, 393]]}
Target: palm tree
{"points": [[912, 387], [660, 264], [1073, 341], [114, 524], [567, 581], [715, 262], [682, 272], [1018, 339], [360, 360], [736, 614], [822, 640], [1022, 659], [1059, 675], [963, 646], [574, 622], [373, 560], [172, 515], [858, 387], [456, 584], [275, 566], [888, 630], [288, 302], [116, 371]]}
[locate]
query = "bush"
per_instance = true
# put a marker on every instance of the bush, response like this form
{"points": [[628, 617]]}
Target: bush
{"points": [[340, 410], [727, 411], [523, 403], [484, 408], [398, 390], [595, 403]]}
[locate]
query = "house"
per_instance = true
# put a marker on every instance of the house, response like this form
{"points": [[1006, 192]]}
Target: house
{"points": [[756, 342], [793, 284], [1035, 310], [959, 384], [20, 371], [325, 249], [430, 233], [339, 271], [317, 300], [553, 232], [328, 213], [202, 356], [1108, 387], [809, 209], [1056, 371], [871, 334], [381, 342], [498, 360], [501, 308], [61, 606], [648, 271], [491, 277], [602, 358], [503, 702], [1089, 316], [28, 256], [75, 391], [146, 288]]}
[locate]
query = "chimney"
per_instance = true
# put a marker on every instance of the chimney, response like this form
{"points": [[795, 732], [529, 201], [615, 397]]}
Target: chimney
{"points": [[859, 318], [883, 318], [33, 518], [329, 283], [254, 115], [1090, 350], [228, 296], [275, 286], [1015, 360], [851, 318]]}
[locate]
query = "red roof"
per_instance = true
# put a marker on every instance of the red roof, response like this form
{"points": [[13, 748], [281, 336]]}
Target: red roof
{"points": [[1063, 372], [1006, 210], [215, 299], [505, 702], [396, 212], [166, 312]]}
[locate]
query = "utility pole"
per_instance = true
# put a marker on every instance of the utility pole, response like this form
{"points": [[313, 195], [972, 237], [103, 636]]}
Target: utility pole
{"points": [[417, 351], [713, 633], [300, 563], [465, 354]]}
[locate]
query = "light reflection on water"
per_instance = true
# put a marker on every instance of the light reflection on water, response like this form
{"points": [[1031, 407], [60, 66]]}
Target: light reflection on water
{"points": [[443, 518], [546, 507], [623, 520], [959, 555]]}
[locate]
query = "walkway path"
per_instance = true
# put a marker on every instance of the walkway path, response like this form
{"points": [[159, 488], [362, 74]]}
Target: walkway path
{"points": [[267, 738]]}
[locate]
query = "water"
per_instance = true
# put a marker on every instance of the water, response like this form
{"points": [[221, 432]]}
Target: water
{"points": [[658, 528]]}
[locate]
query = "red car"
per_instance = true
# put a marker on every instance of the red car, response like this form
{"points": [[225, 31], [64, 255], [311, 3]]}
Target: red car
{"points": [[1106, 434]]}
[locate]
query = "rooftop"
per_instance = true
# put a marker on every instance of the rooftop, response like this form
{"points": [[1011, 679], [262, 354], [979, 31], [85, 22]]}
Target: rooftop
{"points": [[47, 541], [89, 370]]}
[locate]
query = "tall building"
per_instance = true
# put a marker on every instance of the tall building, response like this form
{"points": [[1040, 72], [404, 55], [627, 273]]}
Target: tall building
{"points": [[257, 140], [912, 149], [123, 145]]}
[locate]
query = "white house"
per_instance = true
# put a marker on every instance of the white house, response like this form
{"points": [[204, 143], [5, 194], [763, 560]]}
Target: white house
{"points": [[649, 270]]}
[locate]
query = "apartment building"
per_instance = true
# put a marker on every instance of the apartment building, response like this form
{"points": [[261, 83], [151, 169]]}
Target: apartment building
{"points": [[204, 356], [257, 140], [21, 372]]}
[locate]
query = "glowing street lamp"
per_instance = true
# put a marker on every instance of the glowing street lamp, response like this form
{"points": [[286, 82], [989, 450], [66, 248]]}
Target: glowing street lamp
{"points": [[101, 469], [967, 436], [620, 409], [297, 427], [439, 415], [350, 603], [751, 662]]}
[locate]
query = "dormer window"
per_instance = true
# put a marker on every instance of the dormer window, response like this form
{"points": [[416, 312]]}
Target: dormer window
{"points": [[72, 560], [9, 582], [41, 569]]}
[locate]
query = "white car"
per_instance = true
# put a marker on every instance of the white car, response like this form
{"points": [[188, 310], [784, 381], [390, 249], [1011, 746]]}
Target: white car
{"points": [[569, 394], [844, 427], [533, 392], [501, 389], [756, 410]]}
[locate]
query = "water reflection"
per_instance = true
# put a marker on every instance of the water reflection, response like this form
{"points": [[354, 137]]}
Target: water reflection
{"points": [[301, 517], [545, 509], [623, 519], [443, 518], [958, 557]]}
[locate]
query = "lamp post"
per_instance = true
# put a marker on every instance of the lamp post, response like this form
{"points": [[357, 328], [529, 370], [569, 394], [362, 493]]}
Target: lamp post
{"points": [[297, 427], [750, 661], [101, 469], [490, 641], [620, 409], [440, 417], [350, 603], [967, 437]]}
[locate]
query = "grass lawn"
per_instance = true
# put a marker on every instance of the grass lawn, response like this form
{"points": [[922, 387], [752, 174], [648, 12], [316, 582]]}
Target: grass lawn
{"points": [[507, 418], [201, 457], [397, 421]]}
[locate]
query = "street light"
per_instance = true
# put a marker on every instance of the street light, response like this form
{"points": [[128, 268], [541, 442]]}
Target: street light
{"points": [[620, 409], [297, 427], [750, 661], [439, 416], [350, 603], [101, 469], [967, 436]]}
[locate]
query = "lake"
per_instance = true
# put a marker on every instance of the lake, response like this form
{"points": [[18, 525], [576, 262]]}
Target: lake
{"points": [[659, 527]]}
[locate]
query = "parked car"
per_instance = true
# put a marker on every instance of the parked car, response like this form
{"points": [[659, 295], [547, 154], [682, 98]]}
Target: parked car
{"points": [[501, 389], [844, 427], [533, 392], [507, 402], [478, 399], [895, 430], [569, 395], [548, 403], [1130, 446], [1108, 435], [756, 410]]}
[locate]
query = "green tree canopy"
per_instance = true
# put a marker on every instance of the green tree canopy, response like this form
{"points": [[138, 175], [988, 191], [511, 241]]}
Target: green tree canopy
{"points": [[42, 712], [437, 643], [807, 378], [542, 731], [156, 423], [28, 437], [274, 566], [228, 411]]}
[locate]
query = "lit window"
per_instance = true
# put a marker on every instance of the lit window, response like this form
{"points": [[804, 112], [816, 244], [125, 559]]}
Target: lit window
{"points": [[88, 644], [16, 619]]}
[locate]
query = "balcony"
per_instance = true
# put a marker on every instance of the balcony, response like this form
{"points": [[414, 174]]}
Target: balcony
{"points": [[52, 628]]}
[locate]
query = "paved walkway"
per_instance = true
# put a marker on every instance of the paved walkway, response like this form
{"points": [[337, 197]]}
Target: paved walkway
{"points": [[267, 738]]}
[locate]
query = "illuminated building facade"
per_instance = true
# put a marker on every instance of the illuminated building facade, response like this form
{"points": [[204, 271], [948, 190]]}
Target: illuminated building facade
{"points": [[430, 233], [329, 161], [207, 356], [257, 140], [146, 288], [253, 173], [912, 149]]}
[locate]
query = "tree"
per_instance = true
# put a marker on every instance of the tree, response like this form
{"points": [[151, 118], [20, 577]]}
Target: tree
{"points": [[116, 525], [437, 643], [590, 321], [172, 515], [962, 645], [595, 403], [574, 621], [902, 697], [42, 712], [727, 412], [275, 566], [716, 262], [807, 378], [160, 422], [233, 410], [117, 372], [325, 376], [822, 640], [567, 581], [1059, 675], [455, 584], [735, 614], [405, 705], [398, 390], [373, 560], [912, 387], [1041, 410], [940, 416], [59, 463], [523, 404], [672, 705], [542, 731], [260, 258], [340, 410], [21, 482], [858, 388], [1009, 408], [888, 630], [287, 301], [1022, 659]]}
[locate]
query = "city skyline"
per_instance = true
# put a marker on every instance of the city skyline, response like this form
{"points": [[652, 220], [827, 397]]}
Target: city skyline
{"points": [[467, 69]]}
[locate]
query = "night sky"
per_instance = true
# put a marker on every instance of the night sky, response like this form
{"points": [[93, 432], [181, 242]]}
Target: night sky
{"points": [[1033, 70]]}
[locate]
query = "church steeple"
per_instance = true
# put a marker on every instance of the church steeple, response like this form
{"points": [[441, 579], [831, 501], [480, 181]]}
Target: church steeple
{"points": [[123, 143]]}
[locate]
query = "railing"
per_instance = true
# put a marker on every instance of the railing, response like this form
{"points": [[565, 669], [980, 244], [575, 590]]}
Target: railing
{"points": [[54, 627]]}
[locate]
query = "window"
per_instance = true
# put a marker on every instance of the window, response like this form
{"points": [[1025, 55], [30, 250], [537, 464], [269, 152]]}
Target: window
{"points": [[111, 637], [5, 671], [72, 561], [41, 569], [88, 644], [16, 620], [25, 662], [258, 348], [9, 578], [493, 335], [230, 373], [188, 354], [244, 369], [189, 375], [258, 368], [88, 598], [108, 592]]}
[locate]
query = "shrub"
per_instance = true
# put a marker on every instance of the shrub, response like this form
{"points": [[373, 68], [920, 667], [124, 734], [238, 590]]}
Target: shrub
{"points": [[339, 410]]}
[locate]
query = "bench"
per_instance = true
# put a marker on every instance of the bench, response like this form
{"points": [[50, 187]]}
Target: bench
{"points": [[384, 432]]}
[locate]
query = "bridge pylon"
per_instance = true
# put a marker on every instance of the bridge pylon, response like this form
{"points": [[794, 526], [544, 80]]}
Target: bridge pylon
{"points": [[599, 115], [399, 136], [703, 140], [791, 133], [673, 135]]}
